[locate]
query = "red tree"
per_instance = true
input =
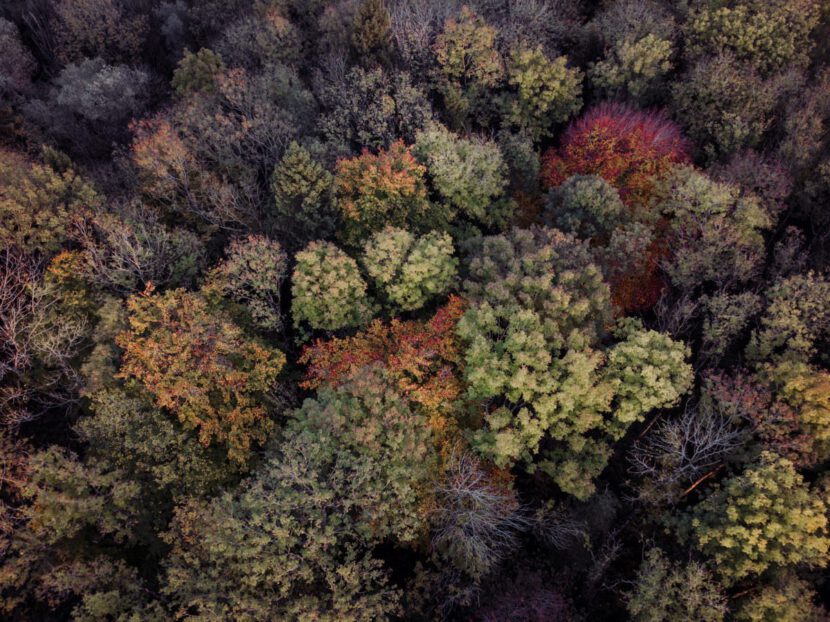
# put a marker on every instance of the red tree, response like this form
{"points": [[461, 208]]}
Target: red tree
{"points": [[627, 147]]}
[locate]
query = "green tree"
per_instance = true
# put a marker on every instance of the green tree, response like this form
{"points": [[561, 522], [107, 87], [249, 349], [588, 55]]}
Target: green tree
{"points": [[327, 290], [303, 198], [634, 68], [680, 592], [538, 307], [291, 541], [371, 34], [470, 65], [585, 205], [764, 518], [787, 599], [718, 231], [469, 175], [410, 271], [771, 35], [196, 73], [545, 92], [37, 201]]}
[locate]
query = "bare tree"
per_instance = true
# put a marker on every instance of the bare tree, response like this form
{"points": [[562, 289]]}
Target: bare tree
{"points": [[680, 451], [478, 520]]}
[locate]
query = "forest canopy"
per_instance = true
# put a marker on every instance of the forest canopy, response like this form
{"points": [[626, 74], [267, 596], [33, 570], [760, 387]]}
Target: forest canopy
{"points": [[415, 310]]}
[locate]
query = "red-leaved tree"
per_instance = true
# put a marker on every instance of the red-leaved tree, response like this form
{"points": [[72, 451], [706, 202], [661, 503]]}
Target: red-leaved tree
{"points": [[627, 147]]}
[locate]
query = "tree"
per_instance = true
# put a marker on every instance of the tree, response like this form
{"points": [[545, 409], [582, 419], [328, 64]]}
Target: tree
{"points": [[17, 64], [627, 147], [717, 233], [37, 202], [130, 246], [41, 340], [78, 513], [371, 35], [261, 42], [795, 321], [369, 109], [252, 275], [538, 307], [303, 190], [788, 599], [201, 368], [469, 175], [327, 290], [770, 35], [89, 28], [743, 541], [636, 68], [546, 92], [378, 190], [667, 590], [422, 357], [478, 519], [724, 105], [410, 271], [585, 205], [349, 473], [469, 65], [196, 73]]}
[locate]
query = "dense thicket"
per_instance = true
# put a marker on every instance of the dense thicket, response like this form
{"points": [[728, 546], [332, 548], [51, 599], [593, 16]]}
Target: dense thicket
{"points": [[359, 310]]}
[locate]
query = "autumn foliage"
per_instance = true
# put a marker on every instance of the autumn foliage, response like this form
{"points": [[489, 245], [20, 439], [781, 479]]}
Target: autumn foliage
{"points": [[627, 147], [201, 367], [422, 357]]}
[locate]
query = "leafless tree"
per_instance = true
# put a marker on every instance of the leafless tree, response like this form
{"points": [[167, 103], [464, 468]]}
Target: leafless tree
{"points": [[676, 453], [477, 521]]}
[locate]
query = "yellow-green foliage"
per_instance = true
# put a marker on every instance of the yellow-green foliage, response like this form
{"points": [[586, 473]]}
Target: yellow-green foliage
{"points": [[37, 202], [764, 518], [327, 289], [196, 73], [681, 592], [545, 91], [410, 271], [635, 68], [770, 34]]}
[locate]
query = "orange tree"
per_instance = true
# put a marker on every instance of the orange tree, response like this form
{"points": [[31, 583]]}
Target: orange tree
{"points": [[201, 367], [422, 358]]}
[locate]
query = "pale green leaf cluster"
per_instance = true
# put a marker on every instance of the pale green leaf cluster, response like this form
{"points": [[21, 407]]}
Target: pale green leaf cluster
{"points": [[545, 91], [469, 174], [327, 289], [410, 270], [636, 68], [681, 592], [764, 518]]}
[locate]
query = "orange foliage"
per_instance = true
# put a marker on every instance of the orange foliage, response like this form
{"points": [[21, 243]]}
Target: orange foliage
{"points": [[376, 190], [627, 147], [201, 368], [422, 356]]}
